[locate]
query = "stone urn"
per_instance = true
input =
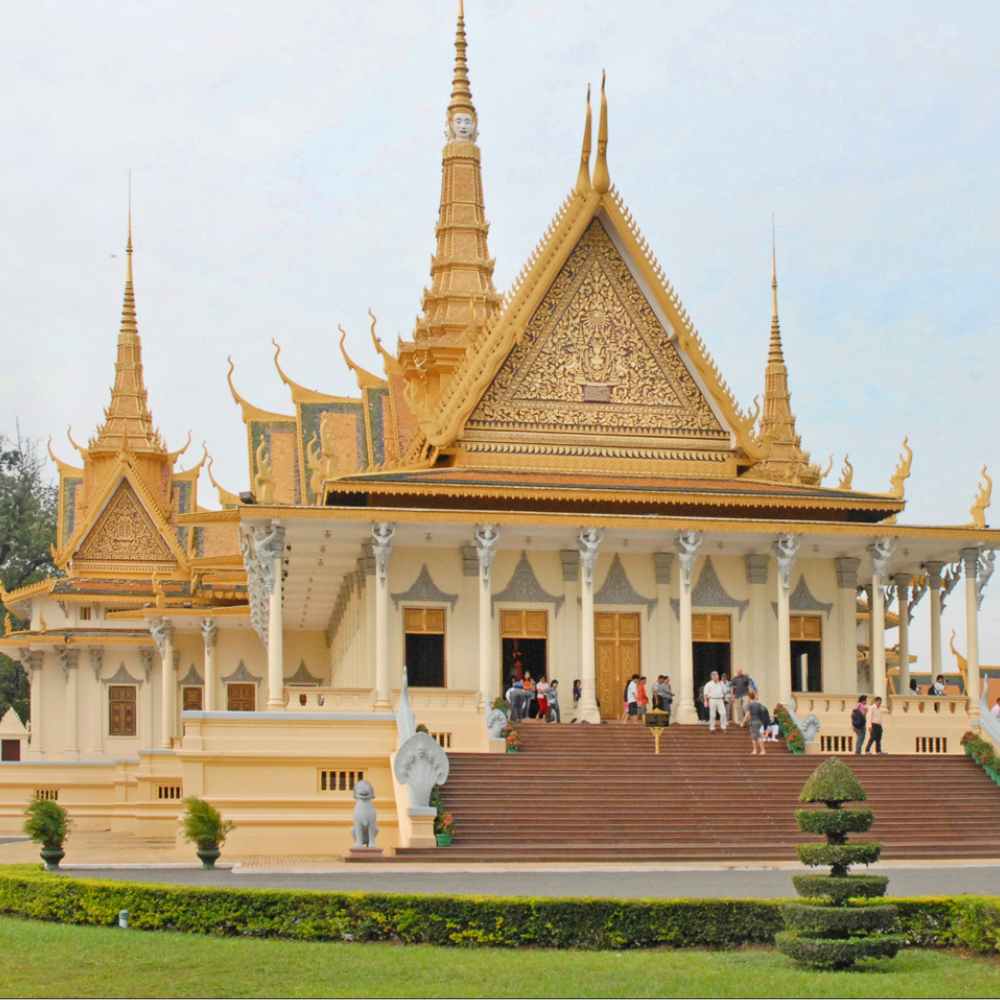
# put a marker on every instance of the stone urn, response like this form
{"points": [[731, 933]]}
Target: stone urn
{"points": [[52, 856], [208, 853]]}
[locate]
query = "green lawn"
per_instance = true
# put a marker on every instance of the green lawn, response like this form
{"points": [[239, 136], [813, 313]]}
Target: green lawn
{"points": [[54, 960]]}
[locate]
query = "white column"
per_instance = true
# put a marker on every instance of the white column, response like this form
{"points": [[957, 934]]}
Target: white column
{"points": [[588, 542], [757, 565], [688, 543], [786, 548], [564, 642], [162, 632], [95, 730], [32, 663], [271, 553], [209, 636], [71, 706], [902, 582], [933, 570], [881, 552], [382, 534], [847, 624], [487, 536], [970, 563], [146, 715], [666, 648]]}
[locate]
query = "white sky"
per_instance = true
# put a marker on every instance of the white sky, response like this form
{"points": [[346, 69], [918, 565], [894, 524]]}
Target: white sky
{"points": [[286, 168]]}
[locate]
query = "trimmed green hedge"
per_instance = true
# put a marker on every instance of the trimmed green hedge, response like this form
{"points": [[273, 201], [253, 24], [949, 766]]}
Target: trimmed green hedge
{"points": [[840, 888], [837, 953], [834, 822], [858, 852], [970, 922], [829, 921], [981, 751]]}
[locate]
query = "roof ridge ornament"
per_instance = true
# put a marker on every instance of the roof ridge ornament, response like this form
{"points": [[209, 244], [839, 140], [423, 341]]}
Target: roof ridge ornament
{"points": [[583, 184], [602, 179], [981, 503]]}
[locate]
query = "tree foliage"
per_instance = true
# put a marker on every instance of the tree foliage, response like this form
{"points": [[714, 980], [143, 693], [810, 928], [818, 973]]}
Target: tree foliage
{"points": [[27, 532]]}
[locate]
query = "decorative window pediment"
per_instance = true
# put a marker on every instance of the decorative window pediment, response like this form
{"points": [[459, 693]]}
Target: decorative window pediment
{"points": [[121, 676], [801, 599], [618, 589], [424, 589], [302, 677], [241, 676], [709, 593], [192, 678], [524, 587]]}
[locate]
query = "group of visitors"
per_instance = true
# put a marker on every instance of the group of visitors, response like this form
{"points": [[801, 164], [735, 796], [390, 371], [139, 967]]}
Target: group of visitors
{"points": [[867, 717], [721, 696], [529, 699]]}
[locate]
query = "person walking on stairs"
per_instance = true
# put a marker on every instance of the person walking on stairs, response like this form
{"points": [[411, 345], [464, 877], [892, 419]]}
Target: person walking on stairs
{"points": [[741, 686], [715, 702], [875, 727], [859, 723], [757, 715], [631, 699]]}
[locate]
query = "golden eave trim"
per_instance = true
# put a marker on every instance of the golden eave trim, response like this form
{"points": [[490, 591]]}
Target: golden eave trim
{"points": [[207, 611], [613, 495], [248, 410], [231, 515]]}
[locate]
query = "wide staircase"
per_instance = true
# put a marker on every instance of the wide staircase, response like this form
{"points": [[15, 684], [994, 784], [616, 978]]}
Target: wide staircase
{"points": [[599, 793]]}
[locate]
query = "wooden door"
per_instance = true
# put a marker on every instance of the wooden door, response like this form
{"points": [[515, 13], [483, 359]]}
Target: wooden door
{"points": [[241, 697], [191, 699], [617, 656]]}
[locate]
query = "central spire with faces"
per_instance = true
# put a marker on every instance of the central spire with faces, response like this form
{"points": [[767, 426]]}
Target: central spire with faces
{"points": [[461, 295]]}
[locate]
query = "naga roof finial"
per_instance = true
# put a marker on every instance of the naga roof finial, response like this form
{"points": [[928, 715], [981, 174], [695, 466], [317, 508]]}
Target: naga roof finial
{"points": [[602, 179], [583, 177]]}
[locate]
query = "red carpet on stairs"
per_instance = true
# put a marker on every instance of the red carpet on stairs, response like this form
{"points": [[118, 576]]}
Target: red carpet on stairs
{"points": [[599, 793]]}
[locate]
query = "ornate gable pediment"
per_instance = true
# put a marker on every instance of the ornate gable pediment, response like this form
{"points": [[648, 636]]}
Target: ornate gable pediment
{"points": [[125, 532], [595, 359]]}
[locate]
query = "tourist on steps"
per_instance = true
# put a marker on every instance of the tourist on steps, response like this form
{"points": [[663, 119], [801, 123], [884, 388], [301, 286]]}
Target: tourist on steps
{"points": [[756, 713], [631, 699], [641, 699], [859, 722], [715, 702], [553, 700], [663, 697], [875, 727], [995, 710], [577, 694], [741, 689], [530, 705], [542, 694]]}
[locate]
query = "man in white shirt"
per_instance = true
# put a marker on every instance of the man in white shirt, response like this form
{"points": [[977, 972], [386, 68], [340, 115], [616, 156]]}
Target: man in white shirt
{"points": [[715, 700], [996, 708], [632, 699]]}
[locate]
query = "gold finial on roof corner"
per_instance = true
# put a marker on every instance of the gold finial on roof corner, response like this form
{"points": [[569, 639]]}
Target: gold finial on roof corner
{"points": [[583, 176], [366, 379], [902, 473], [826, 471], [980, 505], [69, 434], [602, 179], [389, 360], [174, 455], [846, 475]]}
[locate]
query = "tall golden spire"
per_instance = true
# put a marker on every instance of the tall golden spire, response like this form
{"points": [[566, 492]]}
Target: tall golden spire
{"points": [[602, 179], [785, 459], [461, 268], [583, 177], [127, 420]]}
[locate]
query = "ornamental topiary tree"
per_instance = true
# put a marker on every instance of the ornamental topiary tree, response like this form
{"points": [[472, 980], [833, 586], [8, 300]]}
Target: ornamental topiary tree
{"points": [[836, 927]]}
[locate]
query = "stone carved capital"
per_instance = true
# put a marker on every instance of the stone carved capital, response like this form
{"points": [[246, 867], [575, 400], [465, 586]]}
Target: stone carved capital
{"points": [[487, 536], [987, 559], [209, 632], [421, 763], [146, 656], [96, 660], [881, 551], [663, 568], [688, 543], [69, 658], [786, 548], [31, 659], [162, 631], [933, 571], [847, 571], [588, 541], [382, 535], [270, 540]]}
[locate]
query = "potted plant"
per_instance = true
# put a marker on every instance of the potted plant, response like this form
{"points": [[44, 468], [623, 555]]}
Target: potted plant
{"points": [[206, 829], [501, 705], [444, 829], [47, 823], [512, 739]]}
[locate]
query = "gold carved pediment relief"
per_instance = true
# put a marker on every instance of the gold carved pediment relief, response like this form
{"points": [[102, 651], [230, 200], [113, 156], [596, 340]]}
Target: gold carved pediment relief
{"points": [[124, 533], [595, 358]]}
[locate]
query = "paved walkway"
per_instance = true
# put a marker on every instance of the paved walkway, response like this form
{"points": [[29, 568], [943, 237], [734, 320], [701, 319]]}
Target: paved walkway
{"points": [[618, 883]]}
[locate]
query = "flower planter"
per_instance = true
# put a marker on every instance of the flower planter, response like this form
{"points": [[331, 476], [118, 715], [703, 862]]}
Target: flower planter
{"points": [[52, 856], [208, 854], [443, 839], [513, 748]]}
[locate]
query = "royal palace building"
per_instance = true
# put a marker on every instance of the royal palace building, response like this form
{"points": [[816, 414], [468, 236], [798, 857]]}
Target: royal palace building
{"points": [[554, 479]]}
